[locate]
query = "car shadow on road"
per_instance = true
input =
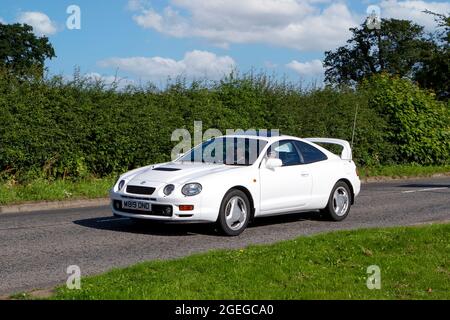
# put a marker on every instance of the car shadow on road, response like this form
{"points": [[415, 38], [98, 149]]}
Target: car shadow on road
{"points": [[145, 227], [171, 229]]}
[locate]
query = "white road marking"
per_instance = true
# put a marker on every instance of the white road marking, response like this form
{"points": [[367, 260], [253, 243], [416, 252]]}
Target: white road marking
{"points": [[426, 189], [113, 219]]}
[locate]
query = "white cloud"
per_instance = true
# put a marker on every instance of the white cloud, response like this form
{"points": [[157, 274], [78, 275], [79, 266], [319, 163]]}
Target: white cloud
{"points": [[41, 23], [109, 80], [2, 21], [270, 65], [313, 68], [413, 10], [195, 64], [135, 5], [288, 23]]}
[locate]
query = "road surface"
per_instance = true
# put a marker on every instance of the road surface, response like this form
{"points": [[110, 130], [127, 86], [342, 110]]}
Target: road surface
{"points": [[37, 247]]}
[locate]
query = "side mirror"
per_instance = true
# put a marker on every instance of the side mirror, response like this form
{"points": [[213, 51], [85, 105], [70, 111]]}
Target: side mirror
{"points": [[272, 163]]}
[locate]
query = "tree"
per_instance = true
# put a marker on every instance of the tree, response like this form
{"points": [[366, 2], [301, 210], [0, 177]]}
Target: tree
{"points": [[395, 48], [21, 51], [433, 71]]}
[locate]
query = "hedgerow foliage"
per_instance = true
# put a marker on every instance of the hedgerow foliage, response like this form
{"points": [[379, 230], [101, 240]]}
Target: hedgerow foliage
{"points": [[51, 128], [418, 124]]}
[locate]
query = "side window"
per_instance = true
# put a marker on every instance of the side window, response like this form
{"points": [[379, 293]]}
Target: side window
{"points": [[285, 151], [309, 153]]}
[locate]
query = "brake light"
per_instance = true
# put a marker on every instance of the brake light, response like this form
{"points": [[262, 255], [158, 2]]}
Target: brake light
{"points": [[357, 171]]}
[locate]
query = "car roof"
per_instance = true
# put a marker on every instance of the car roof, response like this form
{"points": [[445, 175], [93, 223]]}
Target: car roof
{"points": [[262, 136], [270, 139]]}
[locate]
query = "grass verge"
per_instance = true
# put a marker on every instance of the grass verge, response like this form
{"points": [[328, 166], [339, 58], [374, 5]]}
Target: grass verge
{"points": [[42, 190], [414, 263], [402, 171]]}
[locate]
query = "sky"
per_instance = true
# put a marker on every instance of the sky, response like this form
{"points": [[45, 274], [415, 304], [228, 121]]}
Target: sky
{"points": [[147, 40]]}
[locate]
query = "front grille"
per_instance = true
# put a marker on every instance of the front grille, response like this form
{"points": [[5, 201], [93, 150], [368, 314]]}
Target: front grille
{"points": [[140, 190], [157, 209]]}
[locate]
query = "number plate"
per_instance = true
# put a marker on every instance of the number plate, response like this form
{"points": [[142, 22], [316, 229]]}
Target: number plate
{"points": [[136, 205]]}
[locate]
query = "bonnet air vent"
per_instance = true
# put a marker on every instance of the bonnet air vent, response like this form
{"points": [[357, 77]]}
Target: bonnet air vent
{"points": [[166, 169]]}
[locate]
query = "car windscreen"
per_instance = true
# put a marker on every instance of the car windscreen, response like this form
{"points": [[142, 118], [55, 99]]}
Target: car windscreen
{"points": [[228, 150]]}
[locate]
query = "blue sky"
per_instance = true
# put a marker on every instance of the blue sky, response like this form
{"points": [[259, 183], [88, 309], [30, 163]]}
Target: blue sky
{"points": [[144, 40]]}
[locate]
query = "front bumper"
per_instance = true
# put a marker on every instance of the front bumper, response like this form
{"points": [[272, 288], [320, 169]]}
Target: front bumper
{"points": [[163, 209]]}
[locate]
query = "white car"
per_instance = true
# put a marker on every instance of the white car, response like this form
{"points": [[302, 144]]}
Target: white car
{"points": [[232, 179]]}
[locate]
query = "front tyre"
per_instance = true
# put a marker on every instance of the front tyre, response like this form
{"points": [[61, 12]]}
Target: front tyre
{"points": [[234, 213], [339, 202]]}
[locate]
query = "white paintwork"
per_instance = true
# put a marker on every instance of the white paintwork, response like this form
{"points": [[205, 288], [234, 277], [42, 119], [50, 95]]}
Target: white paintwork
{"points": [[273, 189]]}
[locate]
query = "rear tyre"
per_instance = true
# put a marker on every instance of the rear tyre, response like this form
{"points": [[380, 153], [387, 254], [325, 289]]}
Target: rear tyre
{"points": [[234, 213], [339, 202]]}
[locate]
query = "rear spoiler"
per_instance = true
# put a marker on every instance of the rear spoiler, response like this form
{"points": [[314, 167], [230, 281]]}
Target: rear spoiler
{"points": [[346, 153]]}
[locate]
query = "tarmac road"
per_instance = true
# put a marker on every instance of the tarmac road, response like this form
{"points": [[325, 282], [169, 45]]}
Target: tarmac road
{"points": [[37, 247]]}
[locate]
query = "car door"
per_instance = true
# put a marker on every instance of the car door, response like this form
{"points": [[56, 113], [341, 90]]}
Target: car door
{"points": [[321, 172], [286, 188]]}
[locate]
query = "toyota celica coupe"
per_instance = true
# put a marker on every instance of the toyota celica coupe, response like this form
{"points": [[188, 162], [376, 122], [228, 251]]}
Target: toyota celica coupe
{"points": [[232, 179]]}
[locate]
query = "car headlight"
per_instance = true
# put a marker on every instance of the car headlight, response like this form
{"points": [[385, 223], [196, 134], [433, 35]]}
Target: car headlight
{"points": [[168, 189], [120, 185], [191, 189]]}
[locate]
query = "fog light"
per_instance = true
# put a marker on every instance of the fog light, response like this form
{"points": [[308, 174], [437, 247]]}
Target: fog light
{"points": [[186, 207]]}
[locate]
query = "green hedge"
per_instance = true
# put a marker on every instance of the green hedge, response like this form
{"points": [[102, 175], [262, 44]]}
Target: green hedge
{"points": [[418, 124], [53, 128]]}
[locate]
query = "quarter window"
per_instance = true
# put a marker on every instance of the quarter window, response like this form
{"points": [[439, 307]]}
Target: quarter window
{"points": [[310, 154]]}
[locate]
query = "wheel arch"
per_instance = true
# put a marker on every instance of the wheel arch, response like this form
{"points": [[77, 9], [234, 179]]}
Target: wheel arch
{"points": [[348, 182]]}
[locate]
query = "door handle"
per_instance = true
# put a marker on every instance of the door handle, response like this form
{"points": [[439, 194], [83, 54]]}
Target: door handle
{"points": [[305, 174]]}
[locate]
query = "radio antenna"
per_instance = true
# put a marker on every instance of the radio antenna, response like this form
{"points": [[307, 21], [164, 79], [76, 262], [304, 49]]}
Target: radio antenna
{"points": [[354, 125]]}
